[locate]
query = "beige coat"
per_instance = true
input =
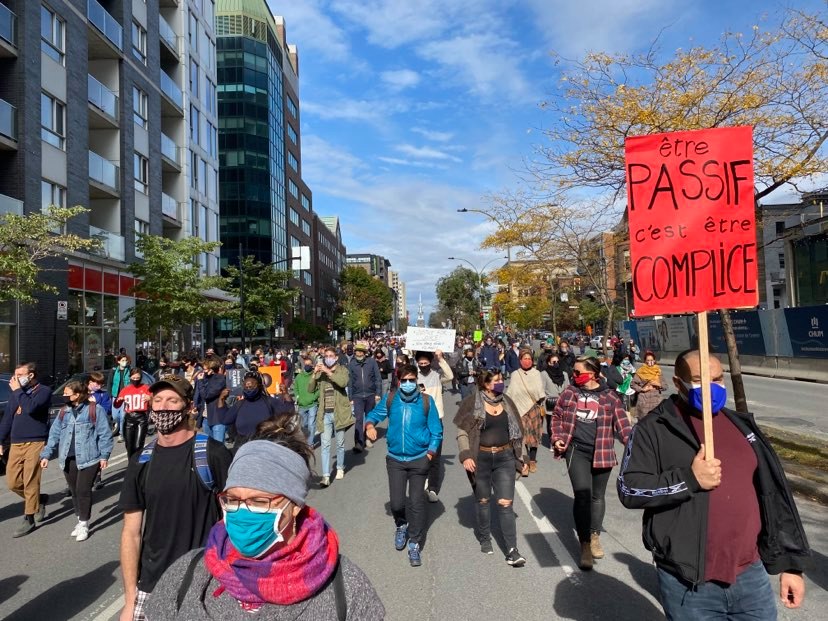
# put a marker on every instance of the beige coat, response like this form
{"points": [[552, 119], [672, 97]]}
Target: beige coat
{"points": [[434, 381], [525, 389]]}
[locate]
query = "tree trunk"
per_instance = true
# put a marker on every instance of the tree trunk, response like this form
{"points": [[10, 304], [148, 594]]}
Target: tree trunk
{"points": [[733, 359], [608, 327]]}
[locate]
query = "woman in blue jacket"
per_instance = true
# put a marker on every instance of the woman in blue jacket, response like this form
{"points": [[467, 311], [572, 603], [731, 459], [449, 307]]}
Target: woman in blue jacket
{"points": [[82, 438], [414, 436]]}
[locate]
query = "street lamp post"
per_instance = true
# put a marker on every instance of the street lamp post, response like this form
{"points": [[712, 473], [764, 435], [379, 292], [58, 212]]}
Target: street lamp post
{"points": [[479, 282]]}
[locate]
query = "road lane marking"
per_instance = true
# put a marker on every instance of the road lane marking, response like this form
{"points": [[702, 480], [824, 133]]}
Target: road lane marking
{"points": [[110, 611], [549, 532]]}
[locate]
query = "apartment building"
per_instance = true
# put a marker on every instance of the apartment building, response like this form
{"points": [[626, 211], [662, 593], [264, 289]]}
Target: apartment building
{"points": [[107, 104]]}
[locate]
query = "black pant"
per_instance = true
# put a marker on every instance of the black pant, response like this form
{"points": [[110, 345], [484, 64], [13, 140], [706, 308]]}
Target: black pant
{"points": [[362, 405], [135, 432], [589, 486], [495, 472], [435, 469], [80, 484], [410, 474]]}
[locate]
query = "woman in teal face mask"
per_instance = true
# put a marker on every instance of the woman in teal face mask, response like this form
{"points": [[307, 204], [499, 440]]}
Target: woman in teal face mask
{"points": [[272, 554]]}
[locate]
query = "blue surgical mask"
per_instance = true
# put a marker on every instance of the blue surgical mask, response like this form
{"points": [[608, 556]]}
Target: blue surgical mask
{"points": [[718, 395], [253, 534], [408, 387]]}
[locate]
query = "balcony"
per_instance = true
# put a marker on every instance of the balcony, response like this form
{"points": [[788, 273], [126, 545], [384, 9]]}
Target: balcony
{"points": [[104, 106], [8, 126], [112, 246], [171, 210], [170, 154], [169, 40], [172, 103], [8, 32], [104, 177], [10, 205], [106, 34]]}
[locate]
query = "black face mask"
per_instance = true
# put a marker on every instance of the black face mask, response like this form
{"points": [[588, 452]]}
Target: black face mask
{"points": [[425, 370], [135, 382]]}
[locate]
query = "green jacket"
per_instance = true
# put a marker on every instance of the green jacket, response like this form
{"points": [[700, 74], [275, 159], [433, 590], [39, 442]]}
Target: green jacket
{"points": [[304, 397], [343, 414]]}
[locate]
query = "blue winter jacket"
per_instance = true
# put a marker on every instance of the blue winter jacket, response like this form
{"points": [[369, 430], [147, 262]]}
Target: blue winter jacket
{"points": [[512, 361], [93, 443], [489, 357], [365, 378], [410, 434]]}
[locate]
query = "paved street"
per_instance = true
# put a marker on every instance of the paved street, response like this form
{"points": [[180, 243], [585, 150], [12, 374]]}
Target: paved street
{"points": [[47, 576]]}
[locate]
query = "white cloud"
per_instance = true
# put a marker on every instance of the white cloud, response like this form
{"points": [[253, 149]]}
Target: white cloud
{"points": [[311, 29], [426, 153], [402, 162], [433, 135], [342, 108], [400, 79]]}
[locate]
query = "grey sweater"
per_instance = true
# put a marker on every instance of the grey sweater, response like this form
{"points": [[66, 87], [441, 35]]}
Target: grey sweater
{"points": [[363, 602]]}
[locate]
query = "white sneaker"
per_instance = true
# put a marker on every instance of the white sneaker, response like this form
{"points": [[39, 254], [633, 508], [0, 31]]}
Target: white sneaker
{"points": [[368, 443], [326, 481], [83, 532], [432, 496], [74, 532], [340, 474]]}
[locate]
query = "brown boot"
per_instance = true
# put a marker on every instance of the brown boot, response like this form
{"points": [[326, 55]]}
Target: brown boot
{"points": [[595, 546], [586, 557], [533, 466]]}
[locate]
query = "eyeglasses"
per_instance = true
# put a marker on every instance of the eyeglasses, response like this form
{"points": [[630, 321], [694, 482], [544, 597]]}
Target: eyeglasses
{"points": [[255, 505]]}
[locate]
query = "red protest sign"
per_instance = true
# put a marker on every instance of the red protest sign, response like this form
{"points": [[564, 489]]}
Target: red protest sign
{"points": [[691, 216]]}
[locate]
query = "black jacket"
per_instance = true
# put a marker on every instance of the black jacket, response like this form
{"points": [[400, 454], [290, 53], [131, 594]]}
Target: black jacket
{"points": [[656, 476]]}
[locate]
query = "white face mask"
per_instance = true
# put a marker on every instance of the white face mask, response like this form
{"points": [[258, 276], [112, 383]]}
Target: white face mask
{"points": [[23, 380]]}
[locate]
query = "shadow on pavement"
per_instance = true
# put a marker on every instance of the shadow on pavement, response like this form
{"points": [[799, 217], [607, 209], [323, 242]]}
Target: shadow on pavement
{"points": [[67, 599], [10, 586], [433, 511], [557, 507], [594, 595], [643, 573], [112, 487]]}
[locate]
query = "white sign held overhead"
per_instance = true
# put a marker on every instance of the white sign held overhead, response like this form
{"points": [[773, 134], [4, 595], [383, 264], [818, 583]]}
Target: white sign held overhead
{"points": [[429, 339]]}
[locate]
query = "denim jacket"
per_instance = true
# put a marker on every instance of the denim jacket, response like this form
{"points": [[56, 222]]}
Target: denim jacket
{"points": [[92, 443]]}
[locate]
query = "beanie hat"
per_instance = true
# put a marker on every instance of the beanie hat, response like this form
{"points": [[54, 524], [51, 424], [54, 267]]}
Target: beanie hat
{"points": [[270, 467]]}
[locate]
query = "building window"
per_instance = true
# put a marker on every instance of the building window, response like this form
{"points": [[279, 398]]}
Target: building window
{"points": [[294, 191], [52, 194], [306, 227], [306, 202], [193, 33], [195, 121], [209, 96], [52, 120], [780, 227], [141, 172], [294, 216], [781, 260], [194, 228], [212, 140], [193, 170], [202, 176], [292, 135], [291, 106], [194, 78], [206, 137], [52, 34], [292, 162], [139, 107], [139, 42]]}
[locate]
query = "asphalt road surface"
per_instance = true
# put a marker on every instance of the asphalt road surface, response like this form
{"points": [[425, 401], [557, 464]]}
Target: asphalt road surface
{"points": [[48, 576]]}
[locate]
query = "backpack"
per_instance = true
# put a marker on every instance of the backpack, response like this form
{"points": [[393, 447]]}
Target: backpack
{"points": [[392, 393], [202, 466], [338, 582], [92, 414]]}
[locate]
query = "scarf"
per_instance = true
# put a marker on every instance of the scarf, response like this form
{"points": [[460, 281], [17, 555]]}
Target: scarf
{"points": [[649, 373], [555, 374], [480, 415], [292, 573]]}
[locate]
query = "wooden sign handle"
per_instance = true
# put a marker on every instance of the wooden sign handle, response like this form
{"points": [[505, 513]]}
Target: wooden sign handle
{"points": [[707, 408]]}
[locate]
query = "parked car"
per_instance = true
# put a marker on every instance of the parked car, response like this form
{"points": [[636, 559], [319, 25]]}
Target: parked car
{"points": [[597, 342], [57, 393]]}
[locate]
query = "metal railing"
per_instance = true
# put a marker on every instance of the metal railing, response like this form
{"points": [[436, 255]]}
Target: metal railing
{"points": [[103, 21], [8, 120], [10, 205], [169, 149], [113, 246], [102, 98], [103, 171], [167, 33], [8, 24], [171, 89], [169, 207]]}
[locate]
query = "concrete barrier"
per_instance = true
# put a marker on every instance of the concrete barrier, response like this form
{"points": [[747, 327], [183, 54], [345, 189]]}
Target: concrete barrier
{"points": [[810, 369]]}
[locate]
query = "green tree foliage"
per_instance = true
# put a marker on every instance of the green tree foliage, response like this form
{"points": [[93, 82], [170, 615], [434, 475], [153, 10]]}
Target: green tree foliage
{"points": [[27, 241], [171, 285], [459, 298], [308, 332], [266, 294], [364, 301]]}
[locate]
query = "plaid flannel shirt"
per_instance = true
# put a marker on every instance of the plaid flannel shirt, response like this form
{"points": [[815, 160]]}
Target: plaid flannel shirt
{"points": [[611, 418]]}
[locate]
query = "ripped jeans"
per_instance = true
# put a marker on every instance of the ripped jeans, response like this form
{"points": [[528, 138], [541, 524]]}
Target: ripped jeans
{"points": [[495, 472]]}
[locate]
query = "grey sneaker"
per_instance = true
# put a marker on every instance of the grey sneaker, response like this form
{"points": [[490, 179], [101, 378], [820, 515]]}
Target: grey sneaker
{"points": [[25, 528], [40, 515], [486, 547]]}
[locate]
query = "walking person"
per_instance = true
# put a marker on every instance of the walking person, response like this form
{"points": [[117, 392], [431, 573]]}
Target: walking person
{"points": [[433, 371], [364, 388], [95, 385], [209, 387], [307, 400], [272, 556], [334, 416], [81, 437], [25, 423], [386, 370], [555, 380], [466, 372], [716, 527], [490, 444], [119, 375], [648, 384], [254, 406], [415, 433], [527, 393], [586, 417], [134, 399]]}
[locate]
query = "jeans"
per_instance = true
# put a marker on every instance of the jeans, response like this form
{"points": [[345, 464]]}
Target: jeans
{"points": [[466, 390], [410, 474], [118, 416], [80, 484], [495, 471], [362, 405], [750, 597], [589, 486], [307, 414], [435, 469], [217, 431], [386, 386], [135, 432], [326, 445]]}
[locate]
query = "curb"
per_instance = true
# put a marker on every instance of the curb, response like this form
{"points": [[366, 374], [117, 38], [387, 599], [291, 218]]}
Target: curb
{"points": [[810, 489]]}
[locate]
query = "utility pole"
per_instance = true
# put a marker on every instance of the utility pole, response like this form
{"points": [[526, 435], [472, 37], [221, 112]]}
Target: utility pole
{"points": [[241, 298]]}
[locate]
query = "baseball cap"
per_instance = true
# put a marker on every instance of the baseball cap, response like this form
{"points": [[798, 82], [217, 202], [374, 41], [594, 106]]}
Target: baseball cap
{"points": [[176, 383]]}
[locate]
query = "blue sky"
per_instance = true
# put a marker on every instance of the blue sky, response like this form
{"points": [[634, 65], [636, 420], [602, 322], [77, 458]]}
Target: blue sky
{"points": [[412, 109]]}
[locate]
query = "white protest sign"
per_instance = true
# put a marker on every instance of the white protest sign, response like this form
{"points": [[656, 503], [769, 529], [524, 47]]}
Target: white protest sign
{"points": [[429, 339]]}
